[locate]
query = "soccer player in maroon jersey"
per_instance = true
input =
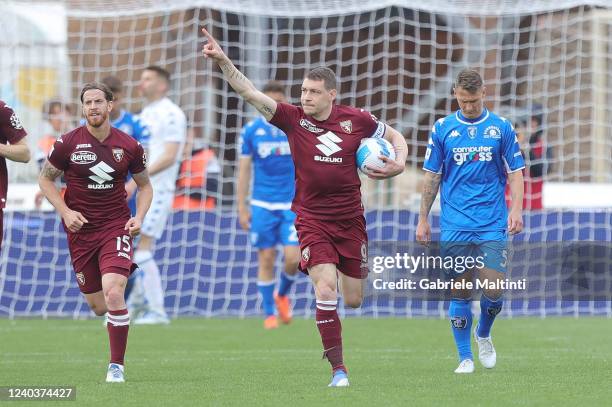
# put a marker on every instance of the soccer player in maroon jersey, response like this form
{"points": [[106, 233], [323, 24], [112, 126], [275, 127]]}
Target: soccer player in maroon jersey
{"points": [[95, 160], [13, 146], [324, 138]]}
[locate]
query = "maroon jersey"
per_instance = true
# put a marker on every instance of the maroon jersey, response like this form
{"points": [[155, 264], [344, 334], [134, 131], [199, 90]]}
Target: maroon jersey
{"points": [[95, 174], [326, 182], [11, 131]]}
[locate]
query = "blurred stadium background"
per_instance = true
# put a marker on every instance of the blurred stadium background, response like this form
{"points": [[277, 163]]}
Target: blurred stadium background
{"points": [[543, 59]]}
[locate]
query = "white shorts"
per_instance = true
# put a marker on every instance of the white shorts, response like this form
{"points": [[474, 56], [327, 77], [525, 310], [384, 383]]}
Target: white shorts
{"points": [[157, 216]]}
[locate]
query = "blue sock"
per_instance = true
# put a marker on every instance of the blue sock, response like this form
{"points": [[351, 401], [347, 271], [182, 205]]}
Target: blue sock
{"points": [[266, 290], [460, 314], [488, 311], [286, 281]]}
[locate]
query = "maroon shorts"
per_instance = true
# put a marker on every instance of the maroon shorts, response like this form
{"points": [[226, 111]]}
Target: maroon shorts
{"points": [[97, 253], [342, 242]]}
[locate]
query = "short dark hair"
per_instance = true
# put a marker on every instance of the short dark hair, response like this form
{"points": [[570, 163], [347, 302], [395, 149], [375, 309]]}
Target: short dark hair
{"points": [[469, 79], [273, 87], [108, 94], [323, 73], [160, 71], [113, 83]]}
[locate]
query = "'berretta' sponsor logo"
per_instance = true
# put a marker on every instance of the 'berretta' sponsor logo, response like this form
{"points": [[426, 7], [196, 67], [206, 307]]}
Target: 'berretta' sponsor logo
{"points": [[83, 157]]}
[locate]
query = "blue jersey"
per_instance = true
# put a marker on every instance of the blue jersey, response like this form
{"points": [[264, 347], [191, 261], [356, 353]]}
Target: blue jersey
{"points": [[130, 124], [474, 157], [273, 170]]}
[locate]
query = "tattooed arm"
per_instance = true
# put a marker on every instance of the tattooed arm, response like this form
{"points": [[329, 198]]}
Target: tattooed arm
{"points": [[430, 190], [74, 220], [240, 83]]}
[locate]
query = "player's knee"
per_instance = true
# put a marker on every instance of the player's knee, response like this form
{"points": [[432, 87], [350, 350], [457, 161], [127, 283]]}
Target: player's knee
{"points": [[326, 292], [113, 296], [353, 300], [291, 267], [493, 295], [98, 309]]}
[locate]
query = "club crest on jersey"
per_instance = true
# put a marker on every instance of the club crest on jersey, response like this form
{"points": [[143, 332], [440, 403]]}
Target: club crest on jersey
{"points": [[15, 122], [492, 132], [472, 132], [118, 154], [310, 127], [83, 157], [80, 278], [306, 253], [347, 126]]}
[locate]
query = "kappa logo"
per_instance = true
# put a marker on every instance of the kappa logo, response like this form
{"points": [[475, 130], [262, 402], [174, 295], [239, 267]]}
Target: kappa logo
{"points": [[118, 154], [454, 133], [472, 132], [80, 278], [347, 126], [101, 175], [328, 144], [310, 127]]}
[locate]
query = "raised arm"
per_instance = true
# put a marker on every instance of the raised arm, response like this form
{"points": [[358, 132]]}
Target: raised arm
{"points": [[240, 83], [431, 183]]}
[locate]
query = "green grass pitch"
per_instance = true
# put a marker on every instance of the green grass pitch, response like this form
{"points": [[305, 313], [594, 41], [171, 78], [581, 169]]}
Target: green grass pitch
{"points": [[542, 362]]}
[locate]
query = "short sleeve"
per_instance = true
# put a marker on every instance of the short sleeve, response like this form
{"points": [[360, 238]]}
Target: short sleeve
{"points": [[434, 155], [372, 126], [246, 145], [10, 125], [175, 127], [511, 152], [59, 154], [139, 162], [284, 116]]}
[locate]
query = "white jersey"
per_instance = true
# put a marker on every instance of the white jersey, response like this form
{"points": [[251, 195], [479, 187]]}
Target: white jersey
{"points": [[167, 124]]}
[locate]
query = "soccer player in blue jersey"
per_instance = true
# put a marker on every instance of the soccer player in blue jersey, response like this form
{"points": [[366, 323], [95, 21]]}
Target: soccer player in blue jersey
{"points": [[270, 220], [471, 155], [126, 122]]}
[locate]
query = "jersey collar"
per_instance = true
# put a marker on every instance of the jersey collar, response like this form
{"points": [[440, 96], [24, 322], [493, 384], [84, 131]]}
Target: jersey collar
{"points": [[462, 119]]}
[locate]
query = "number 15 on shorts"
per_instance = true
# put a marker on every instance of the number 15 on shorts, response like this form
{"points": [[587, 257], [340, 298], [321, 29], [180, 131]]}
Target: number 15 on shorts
{"points": [[124, 244]]}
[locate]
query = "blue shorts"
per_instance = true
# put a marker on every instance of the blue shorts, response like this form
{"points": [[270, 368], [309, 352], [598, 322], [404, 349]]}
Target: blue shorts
{"points": [[488, 248], [272, 227]]}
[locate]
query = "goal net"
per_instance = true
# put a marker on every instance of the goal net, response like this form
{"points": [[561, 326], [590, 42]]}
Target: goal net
{"points": [[547, 66]]}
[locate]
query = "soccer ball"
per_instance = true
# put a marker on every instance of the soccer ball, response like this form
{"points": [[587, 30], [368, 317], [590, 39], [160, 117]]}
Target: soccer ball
{"points": [[370, 149]]}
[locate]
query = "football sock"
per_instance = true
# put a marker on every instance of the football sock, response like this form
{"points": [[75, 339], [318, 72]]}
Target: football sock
{"points": [[488, 311], [118, 325], [460, 314], [330, 330], [266, 290], [151, 281], [286, 281]]}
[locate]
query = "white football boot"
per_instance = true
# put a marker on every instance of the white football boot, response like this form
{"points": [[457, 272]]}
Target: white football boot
{"points": [[486, 351], [466, 366]]}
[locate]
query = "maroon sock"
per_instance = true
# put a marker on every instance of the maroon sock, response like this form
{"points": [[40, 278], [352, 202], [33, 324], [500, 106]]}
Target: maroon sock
{"points": [[118, 326], [330, 329]]}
